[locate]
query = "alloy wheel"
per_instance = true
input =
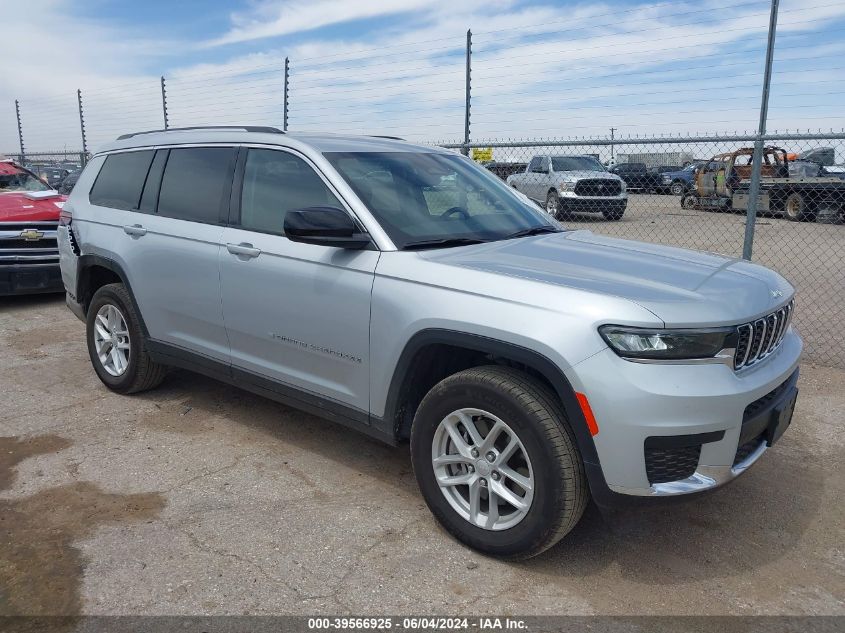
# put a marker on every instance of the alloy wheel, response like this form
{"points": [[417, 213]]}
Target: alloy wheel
{"points": [[111, 340], [483, 469]]}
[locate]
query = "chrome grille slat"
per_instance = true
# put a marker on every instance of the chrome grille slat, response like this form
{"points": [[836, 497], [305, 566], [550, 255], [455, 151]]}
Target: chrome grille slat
{"points": [[747, 335], [760, 338], [771, 330]]}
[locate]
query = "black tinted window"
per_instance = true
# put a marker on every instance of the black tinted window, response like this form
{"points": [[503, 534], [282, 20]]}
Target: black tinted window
{"points": [[275, 183], [194, 182], [121, 179]]}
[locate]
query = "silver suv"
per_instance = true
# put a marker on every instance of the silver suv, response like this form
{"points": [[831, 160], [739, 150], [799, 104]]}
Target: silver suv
{"points": [[409, 293]]}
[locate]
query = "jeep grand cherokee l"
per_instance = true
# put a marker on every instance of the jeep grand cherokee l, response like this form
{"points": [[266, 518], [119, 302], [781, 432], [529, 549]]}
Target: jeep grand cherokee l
{"points": [[409, 293]]}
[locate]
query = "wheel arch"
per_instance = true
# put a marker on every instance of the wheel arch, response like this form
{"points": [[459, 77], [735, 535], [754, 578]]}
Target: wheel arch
{"points": [[431, 355], [96, 271]]}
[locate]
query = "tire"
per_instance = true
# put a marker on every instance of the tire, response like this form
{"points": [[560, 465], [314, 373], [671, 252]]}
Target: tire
{"points": [[689, 201], [677, 188], [797, 208], [535, 417], [139, 372], [613, 215], [553, 206]]}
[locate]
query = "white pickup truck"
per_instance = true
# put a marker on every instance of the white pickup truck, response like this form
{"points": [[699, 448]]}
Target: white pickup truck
{"points": [[569, 184]]}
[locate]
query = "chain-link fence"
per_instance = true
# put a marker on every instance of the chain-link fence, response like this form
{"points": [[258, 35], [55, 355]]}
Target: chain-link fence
{"points": [[693, 193]]}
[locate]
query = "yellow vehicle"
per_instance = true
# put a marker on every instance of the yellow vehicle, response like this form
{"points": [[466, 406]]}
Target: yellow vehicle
{"points": [[723, 183]]}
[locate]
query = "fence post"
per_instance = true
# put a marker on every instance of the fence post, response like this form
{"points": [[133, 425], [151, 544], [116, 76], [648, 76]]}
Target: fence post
{"points": [[465, 150], [164, 103], [754, 190], [82, 127], [20, 130], [287, 76]]}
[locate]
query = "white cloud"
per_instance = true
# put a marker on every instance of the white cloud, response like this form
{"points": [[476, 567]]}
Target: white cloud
{"points": [[538, 70]]}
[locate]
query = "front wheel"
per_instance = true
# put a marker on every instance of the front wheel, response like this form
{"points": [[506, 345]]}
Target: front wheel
{"points": [[497, 463], [553, 205], [677, 189]]}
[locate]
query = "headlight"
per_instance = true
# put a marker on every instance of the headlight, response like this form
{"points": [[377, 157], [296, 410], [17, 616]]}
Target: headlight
{"points": [[667, 179], [623, 184], [639, 343], [567, 185]]}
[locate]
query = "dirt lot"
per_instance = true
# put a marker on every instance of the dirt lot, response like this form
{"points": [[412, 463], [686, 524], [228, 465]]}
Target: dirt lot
{"points": [[199, 498]]}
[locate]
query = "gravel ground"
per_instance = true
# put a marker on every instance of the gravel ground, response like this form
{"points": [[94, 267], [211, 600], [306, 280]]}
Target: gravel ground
{"points": [[199, 498]]}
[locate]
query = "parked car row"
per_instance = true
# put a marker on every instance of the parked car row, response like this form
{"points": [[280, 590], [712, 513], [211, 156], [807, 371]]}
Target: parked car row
{"points": [[797, 190]]}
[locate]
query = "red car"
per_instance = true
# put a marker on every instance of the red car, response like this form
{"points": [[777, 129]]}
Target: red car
{"points": [[29, 215]]}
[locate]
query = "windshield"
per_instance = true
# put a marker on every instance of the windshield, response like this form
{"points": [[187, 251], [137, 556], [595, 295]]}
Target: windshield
{"points": [[15, 179], [576, 163], [431, 197]]}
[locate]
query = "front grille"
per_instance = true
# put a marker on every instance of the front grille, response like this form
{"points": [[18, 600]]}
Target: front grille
{"points": [[663, 465], [18, 244], [760, 338], [28, 243], [597, 187]]}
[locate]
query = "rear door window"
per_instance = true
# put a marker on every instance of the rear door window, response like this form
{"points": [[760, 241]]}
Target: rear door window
{"points": [[121, 180], [195, 182]]}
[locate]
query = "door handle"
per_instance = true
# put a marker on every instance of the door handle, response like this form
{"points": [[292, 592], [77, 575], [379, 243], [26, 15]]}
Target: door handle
{"points": [[243, 249], [135, 230]]}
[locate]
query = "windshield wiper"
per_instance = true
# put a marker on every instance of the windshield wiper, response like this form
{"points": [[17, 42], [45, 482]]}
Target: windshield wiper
{"points": [[534, 230], [441, 243]]}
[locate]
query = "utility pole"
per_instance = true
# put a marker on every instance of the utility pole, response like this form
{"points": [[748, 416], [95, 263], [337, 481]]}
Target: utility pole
{"points": [[612, 132], [164, 103], [287, 77], [754, 190], [82, 128], [465, 150], [20, 130]]}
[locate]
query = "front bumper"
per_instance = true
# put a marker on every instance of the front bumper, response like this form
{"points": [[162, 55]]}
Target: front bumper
{"points": [[592, 204], [19, 279], [702, 410]]}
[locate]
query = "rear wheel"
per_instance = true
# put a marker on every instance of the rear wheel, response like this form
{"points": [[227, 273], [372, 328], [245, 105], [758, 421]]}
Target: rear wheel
{"points": [[497, 462], [689, 201], [116, 343], [797, 208]]}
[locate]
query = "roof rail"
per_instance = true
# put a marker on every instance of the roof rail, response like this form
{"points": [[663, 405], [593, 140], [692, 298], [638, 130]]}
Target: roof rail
{"points": [[246, 128], [392, 138]]}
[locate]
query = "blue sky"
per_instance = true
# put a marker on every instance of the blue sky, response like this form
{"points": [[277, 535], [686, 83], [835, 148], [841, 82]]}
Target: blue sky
{"points": [[540, 68]]}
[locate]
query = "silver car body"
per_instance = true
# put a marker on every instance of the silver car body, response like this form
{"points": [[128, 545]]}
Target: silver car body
{"points": [[334, 323], [540, 178]]}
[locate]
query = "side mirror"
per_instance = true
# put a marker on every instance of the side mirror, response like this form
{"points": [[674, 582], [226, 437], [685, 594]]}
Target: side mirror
{"points": [[326, 226]]}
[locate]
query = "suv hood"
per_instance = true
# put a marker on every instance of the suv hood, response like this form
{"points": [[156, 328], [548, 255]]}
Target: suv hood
{"points": [[18, 206], [683, 288]]}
